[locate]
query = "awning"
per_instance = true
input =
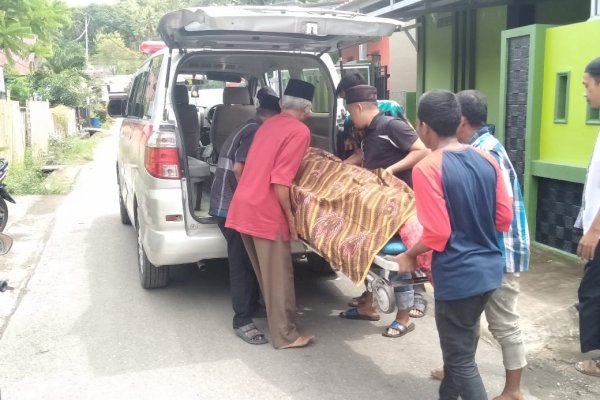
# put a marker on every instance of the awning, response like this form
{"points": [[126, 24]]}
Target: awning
{"points": [[409, 9]]}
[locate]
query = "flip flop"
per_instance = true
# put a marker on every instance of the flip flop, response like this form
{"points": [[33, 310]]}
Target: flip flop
{"points": [[402, 329], [352, 313], [589, 367], [250, 334]]}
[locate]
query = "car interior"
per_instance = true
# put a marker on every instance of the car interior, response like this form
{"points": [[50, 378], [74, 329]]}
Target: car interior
{"points": [[205, 126]]}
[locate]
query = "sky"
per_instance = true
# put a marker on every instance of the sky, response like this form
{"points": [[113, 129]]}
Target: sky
{"points": [[76, 3]]}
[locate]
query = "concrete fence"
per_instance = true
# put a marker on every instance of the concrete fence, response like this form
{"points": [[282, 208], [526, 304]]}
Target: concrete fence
{"points": [[32, 127]]}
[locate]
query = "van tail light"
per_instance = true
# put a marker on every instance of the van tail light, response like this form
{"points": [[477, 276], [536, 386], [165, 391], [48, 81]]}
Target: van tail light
{"points": [[161, 158]]}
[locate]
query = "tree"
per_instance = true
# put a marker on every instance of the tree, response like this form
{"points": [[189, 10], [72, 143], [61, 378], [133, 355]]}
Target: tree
{"points": [[112, 52], [101, 19], [67, 87], [67, 55], [23, 19]]}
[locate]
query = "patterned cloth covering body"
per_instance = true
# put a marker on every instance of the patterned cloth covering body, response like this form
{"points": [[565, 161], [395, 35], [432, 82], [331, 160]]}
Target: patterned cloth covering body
{"points": [[348, 213]]}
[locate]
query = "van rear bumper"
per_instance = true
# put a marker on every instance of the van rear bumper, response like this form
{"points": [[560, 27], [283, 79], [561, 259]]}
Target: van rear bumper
{"points": [[177, 247]]}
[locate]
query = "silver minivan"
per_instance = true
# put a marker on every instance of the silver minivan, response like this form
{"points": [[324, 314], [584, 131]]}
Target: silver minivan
{"points": [[174, 119]]}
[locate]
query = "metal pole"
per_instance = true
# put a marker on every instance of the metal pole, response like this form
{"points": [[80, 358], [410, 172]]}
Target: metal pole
{"points": [[87, 52]]}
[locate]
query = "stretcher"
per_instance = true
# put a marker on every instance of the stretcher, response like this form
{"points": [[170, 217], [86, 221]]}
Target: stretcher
{"points": [[379, 284]]}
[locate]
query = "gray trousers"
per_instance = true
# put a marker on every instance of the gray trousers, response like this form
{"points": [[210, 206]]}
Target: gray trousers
{"points": [[458, 328], [272, 262]]}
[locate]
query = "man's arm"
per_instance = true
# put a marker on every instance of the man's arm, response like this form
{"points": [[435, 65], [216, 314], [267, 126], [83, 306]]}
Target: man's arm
{"points": [[356, 158], [238, 168], [283, 196], [588, 243], [417, 152]]}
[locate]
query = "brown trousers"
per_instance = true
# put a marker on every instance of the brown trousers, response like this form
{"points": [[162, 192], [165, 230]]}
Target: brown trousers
{"points": [[272, 262]]}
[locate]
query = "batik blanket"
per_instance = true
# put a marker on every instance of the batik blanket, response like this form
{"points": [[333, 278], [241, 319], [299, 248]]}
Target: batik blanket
{"points": [[348, 213]]}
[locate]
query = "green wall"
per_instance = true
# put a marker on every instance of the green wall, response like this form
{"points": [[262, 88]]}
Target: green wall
{"points": [[571, 142], [438, 55], [490, 24]]}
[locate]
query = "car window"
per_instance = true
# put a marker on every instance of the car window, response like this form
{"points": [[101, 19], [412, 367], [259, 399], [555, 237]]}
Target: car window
{"points": [[135, 102], [279, 79], [151, 87], [322, 96]]}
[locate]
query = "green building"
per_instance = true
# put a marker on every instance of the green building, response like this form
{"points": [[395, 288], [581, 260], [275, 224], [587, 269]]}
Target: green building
{"points": [[528, 57]]}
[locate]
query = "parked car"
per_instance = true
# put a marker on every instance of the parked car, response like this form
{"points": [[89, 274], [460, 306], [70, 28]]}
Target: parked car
{"points": [[163, 168]]}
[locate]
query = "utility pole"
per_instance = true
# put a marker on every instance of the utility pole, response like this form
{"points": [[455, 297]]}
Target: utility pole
{"points": [[87, 52]]}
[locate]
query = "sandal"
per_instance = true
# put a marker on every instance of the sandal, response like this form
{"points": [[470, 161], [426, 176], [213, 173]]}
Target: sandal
{"points": [[357, 301], [401, 328], [352, 313], [419, 308], [589, 367], [250, 334]]}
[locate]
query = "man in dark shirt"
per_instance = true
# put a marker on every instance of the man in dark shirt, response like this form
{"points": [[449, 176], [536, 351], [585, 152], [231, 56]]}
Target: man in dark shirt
{"points": [[243, 283], [391, 144]]}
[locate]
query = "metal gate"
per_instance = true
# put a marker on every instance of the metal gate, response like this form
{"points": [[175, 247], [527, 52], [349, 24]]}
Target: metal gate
{"points": [[380, 82]]}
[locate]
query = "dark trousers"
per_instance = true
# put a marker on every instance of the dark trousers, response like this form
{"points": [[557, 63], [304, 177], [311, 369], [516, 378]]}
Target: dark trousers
{"points": [[242, 279], [458, 328], [589, 305]]}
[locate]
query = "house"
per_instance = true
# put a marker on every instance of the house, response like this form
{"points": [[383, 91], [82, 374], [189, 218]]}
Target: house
{"points": [[527, 57]]}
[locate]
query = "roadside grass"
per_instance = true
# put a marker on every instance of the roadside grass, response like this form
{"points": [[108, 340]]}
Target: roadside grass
{"points": [[28, 177]]}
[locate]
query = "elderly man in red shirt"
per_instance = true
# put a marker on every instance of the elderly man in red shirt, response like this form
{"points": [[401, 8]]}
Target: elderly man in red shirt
{"points": [[261, 210]]}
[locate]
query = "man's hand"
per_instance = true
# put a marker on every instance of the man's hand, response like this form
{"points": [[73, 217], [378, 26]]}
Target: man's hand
{"points": [[293, 230], [587, 244], [406, 263]]}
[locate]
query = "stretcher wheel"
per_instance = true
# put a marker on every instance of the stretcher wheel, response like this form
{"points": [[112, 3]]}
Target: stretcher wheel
{"points": [[383, 294]]}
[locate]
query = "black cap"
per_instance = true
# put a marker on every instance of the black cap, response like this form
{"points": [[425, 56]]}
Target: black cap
{"points": [[593, 68], [361, 93], [301, 89], [269, 102], [348, 81]]}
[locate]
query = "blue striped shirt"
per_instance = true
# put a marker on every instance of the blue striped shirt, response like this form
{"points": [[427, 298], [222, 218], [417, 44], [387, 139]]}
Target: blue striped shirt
{"points": [[514, 243]]}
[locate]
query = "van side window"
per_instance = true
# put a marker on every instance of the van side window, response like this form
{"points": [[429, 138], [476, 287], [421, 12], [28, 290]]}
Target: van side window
{"points": [[151, 87], [135, 102], [321, 99]]}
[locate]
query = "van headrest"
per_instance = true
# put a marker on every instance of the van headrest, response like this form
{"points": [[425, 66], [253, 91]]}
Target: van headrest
{"points": [[181, 95], [236, 95]]}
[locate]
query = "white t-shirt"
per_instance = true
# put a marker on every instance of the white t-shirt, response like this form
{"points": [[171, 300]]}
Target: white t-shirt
{"points": [[591, 196]]}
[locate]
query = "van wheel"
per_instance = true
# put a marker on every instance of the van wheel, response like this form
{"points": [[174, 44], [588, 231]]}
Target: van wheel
{"points": [[150, 276], [125, 220], [318, 265]]}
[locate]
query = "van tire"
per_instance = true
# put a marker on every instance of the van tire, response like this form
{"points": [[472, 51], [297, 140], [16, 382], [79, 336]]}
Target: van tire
{"points": [[151, 277], [125, 220], [318, 265]]}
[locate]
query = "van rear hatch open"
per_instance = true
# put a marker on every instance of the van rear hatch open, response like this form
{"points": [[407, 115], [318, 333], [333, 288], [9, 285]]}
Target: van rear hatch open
{"points": [[293, 29]]}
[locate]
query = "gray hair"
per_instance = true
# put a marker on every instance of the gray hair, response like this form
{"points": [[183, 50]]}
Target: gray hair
{"points": [[294, 103]]}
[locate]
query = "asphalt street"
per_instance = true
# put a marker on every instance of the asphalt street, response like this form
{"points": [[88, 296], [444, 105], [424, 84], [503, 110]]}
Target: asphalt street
{"points": [[79, 326]]}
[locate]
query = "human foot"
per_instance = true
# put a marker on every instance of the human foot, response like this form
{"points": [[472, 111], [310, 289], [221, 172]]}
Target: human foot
{"points": [[510, 396], [354, 313], [589, 367], [302, 341], [397, 329], [358, 301]]}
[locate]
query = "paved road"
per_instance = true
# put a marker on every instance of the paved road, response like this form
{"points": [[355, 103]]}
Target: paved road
{"points": [[79, 326]]}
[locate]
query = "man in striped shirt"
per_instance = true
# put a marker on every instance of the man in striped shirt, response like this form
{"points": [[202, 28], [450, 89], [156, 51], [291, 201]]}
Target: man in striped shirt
{"points": [[501, 310]]}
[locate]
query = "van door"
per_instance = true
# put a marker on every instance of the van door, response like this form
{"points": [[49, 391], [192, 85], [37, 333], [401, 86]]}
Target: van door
{"points": [[131, 132]]}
